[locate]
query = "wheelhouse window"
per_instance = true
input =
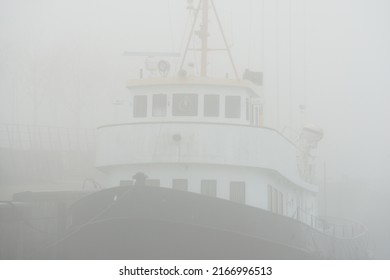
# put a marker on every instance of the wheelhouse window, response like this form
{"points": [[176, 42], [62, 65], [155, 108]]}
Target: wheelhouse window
{"points": [[140, 106], [159, 105], [180, 184], [233, 107], [237, 192], [211, 105], [209, 187], [185, 105]]}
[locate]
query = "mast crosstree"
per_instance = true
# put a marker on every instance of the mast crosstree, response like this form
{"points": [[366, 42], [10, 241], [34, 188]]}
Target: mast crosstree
{"points": [[203, 34]]}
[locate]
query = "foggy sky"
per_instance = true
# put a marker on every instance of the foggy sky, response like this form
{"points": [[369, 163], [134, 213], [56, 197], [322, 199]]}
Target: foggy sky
{"points": [[61, 64]]}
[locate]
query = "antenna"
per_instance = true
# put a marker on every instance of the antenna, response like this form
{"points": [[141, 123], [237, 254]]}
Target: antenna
{"points": [[203, 34]]}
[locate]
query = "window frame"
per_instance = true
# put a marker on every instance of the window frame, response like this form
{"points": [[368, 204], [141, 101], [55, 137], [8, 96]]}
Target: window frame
{"points": [[175, 101]]}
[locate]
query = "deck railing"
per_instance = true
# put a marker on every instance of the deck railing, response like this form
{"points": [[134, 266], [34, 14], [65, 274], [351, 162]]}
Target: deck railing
{"points": [[337, 227]]}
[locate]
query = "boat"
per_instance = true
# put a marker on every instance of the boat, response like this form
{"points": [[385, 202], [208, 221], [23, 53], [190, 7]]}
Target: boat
{"points": [[193, 173]]}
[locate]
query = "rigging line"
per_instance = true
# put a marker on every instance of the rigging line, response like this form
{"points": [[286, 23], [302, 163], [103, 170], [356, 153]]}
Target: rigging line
{"points": [[96, 217], [250, 39], [304, 60], [277, 64], [190, 35], [224, 39], [290, 66], [196, 64], [188, 20], [231, 26], [262, 34]]}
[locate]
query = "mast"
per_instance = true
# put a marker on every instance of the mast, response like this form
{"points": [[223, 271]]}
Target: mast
{"points": [[203, 34]]}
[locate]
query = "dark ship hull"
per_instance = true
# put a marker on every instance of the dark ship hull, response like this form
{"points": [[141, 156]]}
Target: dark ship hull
{"points": [[142, 222]]}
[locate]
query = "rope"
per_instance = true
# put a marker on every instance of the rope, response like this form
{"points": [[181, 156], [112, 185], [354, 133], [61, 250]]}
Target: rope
{"points": [[262, 35], [304, 56], [277, 65], [290, 66], [171, 25], [188, 20]]}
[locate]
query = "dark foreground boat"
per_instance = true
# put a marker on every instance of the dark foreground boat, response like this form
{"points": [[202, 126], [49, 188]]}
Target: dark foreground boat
{"points": [[142, 222]]}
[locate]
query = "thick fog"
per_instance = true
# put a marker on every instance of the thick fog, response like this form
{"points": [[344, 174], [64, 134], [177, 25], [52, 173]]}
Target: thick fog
{"points": [[324, 62]]}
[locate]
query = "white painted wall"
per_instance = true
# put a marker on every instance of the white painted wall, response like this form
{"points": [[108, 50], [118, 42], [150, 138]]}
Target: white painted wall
{"points": [[202, 143], [215, 148], [256, 180]]}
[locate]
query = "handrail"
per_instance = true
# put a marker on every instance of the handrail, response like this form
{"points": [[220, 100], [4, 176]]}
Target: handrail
{"points": [[336, 227]]}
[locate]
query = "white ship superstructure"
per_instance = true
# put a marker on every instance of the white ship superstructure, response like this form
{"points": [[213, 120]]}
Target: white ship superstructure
{"points": [[204, 136]]}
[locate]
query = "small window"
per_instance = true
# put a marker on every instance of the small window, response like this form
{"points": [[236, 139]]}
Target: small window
{"points": [[159, 105], [233, 107], [211, 106], [237, 192], [209, 188], [180, 184], [152, 182], [140, 106], [185, 105]]}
